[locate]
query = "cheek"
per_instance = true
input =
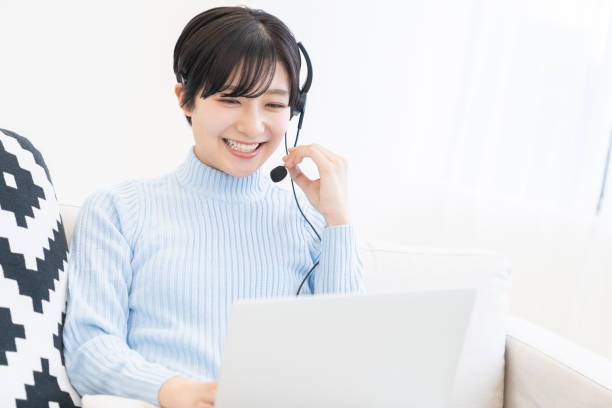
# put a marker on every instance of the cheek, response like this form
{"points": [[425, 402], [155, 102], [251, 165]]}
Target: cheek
{"points": [[280, 125], [213, 122]]}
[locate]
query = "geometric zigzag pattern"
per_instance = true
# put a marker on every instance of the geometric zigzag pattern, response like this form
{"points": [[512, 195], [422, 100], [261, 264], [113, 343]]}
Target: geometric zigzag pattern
{"points": [[33, 260]]}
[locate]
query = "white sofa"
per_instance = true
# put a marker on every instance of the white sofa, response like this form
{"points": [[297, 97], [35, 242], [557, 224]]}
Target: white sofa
{"points": [[540, 368]]}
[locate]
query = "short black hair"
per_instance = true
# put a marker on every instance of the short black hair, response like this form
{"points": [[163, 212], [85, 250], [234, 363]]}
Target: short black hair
{"points": [[218, 41]]}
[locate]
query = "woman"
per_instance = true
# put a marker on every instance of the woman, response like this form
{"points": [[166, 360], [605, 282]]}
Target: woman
{"points": [[156, 264]]}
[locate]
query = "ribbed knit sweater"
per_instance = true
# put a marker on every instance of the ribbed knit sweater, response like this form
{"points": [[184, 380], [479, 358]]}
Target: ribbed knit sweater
{"points": [[155, 265]]}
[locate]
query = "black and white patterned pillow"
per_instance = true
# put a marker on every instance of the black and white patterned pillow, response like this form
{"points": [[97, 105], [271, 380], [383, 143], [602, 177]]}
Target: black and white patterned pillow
{"points": [[33, 259]]}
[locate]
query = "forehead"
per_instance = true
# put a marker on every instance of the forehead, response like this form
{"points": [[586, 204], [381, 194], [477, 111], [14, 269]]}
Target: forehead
{"points": [[281, 77]]}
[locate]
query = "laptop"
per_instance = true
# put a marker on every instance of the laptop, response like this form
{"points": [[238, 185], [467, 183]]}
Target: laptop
{"points": [[372, 350]]}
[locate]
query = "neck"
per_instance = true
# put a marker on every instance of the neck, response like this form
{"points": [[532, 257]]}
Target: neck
{"points": [[202, 178]]}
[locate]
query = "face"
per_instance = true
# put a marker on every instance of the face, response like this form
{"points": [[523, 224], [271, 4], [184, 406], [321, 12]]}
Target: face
{"points": [[219, 122]]}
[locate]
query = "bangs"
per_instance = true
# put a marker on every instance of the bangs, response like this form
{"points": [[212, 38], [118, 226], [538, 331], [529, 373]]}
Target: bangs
{"points": [[255, 77], [246, 70]]}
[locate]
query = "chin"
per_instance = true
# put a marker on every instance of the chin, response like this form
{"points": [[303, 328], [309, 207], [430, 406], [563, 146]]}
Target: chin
{"points": [[237, 173]]}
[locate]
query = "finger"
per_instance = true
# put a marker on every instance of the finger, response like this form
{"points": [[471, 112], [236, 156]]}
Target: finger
{"points": [[207, 398], [328, 153], [300, 178], [331, 156], [300, 152]]}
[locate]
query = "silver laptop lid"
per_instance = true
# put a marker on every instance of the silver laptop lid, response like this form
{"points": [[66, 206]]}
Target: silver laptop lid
{"points": [[391, 350]]}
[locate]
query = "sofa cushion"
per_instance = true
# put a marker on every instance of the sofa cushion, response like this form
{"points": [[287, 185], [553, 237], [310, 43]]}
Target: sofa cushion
{"points": [[33, 256], [545, 370], [398, 268]]}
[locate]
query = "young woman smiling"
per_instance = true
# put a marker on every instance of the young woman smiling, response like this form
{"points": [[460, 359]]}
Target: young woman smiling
{"points": [[156, 264]]}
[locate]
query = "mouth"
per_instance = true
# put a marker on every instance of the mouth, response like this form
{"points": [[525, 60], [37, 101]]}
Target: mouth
{"points": [[243, 150]]}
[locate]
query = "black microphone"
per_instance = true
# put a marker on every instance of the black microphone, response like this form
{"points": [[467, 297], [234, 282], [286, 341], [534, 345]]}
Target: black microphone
{"points": [[278, 173]]}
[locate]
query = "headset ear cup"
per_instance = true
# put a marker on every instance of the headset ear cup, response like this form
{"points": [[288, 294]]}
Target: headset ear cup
{"points": [[300, 104]]}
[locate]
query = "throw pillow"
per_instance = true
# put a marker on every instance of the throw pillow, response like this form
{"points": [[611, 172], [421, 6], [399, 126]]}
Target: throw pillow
{"points": [[33, 259]]}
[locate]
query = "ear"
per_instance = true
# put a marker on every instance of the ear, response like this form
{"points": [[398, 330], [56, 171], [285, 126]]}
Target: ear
{"points": [[178, 91]]}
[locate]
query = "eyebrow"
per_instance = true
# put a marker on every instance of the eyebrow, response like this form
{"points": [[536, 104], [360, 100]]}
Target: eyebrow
{"points": [[276, 91]]}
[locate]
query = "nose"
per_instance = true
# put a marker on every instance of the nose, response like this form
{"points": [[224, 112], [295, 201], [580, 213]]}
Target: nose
{"points": [[251, 121]]}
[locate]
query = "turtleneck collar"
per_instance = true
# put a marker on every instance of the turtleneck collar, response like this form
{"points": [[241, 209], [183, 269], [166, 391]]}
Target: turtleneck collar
{"points": [[198, 176]]}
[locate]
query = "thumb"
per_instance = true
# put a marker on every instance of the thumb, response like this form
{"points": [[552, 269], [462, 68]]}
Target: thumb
{"points": [[299, 177]]}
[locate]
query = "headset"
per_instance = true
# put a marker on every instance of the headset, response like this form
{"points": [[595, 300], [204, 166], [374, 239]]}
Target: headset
{"points": [[278, 173]]}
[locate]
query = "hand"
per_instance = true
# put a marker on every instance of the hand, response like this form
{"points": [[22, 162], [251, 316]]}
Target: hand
{"points": [[329, 193], [184, 392]]}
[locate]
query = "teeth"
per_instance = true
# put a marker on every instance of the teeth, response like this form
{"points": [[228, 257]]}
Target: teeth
{"points": [[241, 147]]}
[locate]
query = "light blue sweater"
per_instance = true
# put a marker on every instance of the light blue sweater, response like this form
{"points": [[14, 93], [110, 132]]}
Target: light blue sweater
{"points": [[155, 265]]}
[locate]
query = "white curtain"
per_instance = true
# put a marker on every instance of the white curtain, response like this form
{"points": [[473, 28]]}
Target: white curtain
{"points": [[493, 120]]}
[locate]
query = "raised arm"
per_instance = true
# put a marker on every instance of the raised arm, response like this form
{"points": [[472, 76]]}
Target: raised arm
{"points": [[340, 269]]}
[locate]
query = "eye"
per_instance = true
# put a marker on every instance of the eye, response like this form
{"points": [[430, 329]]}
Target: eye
{"points": [[276, 105], [229, 101]]}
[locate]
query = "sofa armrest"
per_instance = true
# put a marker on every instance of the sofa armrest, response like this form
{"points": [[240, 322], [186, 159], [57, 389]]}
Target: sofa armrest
{"points": [[105, 401], [545, 370]]}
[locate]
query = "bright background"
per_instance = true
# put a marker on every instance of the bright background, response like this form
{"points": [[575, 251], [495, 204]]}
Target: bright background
{"points": [[466, 123]]}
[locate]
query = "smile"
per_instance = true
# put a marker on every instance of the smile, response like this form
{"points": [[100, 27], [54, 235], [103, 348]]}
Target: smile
{"points": [[242, 147], [243, 150]]}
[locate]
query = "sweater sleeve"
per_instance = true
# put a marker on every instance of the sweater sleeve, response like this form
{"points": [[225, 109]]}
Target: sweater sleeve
{"points": [[98, 358], [340, 269]]}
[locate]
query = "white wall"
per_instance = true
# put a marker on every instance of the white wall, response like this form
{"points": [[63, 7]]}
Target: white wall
{"points": [[93, 82], [466, 123]]}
